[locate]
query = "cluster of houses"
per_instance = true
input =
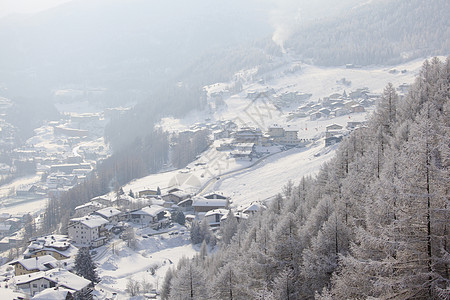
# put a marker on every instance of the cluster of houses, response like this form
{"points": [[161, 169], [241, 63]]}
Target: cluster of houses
{"points": [[65, 168], [10, 224], [215, 208], [244, 140], [97, 220], [335, 132], [279, 100], [336, 105], [45, 271]]}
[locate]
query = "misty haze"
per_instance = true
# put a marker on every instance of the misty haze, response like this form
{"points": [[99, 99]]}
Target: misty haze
{"points": [[271, 149]]}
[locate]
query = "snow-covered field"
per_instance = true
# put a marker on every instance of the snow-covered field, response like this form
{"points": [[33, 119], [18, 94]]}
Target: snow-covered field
{"points": [[268, 178], [149, 262], [15, 206]]}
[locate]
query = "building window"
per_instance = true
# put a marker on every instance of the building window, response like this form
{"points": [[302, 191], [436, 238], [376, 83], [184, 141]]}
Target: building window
{"points": [[34, 285]]}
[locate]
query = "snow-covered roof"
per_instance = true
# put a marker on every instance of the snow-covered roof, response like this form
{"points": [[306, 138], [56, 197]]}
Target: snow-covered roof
{"points": [[91, 221], [253, 207], [241, 215], [14, 220], [237, 152], [111, 197], [152, 210], [68, 279], [180, 194], [202, 201], [52, 294], [185, 201], [101, 198], [54, 240], [89, 204], [190, 217], [218, 211], [238, 215], [37, 263], [108, 212], [215, 195], [244, 145], [61, 276], [157, 201]]}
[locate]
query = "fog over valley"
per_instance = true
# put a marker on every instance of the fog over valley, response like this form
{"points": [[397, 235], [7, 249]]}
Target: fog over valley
{"points": [[247, 149]]}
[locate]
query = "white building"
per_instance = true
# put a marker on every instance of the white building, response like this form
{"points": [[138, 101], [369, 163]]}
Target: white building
{"points": [[88, 208], [279, 135], [213, 217], [34, 283], [149, 215], [88, 231], [58, 246], [202, 205], [113, 215], [34, 264]]}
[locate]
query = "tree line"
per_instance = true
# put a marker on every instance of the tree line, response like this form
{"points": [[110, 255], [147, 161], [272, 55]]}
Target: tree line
{"points": [[372, 224], [403, 30]]}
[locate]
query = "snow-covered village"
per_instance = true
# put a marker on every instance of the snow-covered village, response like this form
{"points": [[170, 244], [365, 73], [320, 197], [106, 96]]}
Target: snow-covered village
{"points": [[169, 160]]}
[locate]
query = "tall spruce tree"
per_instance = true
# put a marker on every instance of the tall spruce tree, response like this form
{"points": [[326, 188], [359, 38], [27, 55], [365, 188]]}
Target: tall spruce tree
{"points": [[85, 267]]}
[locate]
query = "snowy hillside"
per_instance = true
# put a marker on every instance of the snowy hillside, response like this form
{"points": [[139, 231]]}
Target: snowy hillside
{"points": [[268, 176]]}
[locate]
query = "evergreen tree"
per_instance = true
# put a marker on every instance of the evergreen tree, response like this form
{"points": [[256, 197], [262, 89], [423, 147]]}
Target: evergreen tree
{"points": [[285, 287], [188, 284], [402, 251], [196, 237], [229, 228], [225, 285], [372, 224], [203, 250], [178, 217], [165, 289], [85, 267]]}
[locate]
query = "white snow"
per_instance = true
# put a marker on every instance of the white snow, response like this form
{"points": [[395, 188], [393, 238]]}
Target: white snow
{"points": [[243, 181], [158, 252]]}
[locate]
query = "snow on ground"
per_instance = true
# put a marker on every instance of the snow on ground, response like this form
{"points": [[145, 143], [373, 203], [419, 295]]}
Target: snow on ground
{"points": [[212, 163], [244, 181], [321, 81], [318, 81], [268, 178], [32, 206], [150, 261], [44, 139]]}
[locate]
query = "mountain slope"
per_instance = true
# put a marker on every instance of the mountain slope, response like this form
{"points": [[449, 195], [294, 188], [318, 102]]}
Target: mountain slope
{"points": [[380, 32]]}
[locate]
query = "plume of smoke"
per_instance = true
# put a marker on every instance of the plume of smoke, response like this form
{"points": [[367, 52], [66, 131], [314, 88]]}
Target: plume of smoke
{"points": [[285, 18]]}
